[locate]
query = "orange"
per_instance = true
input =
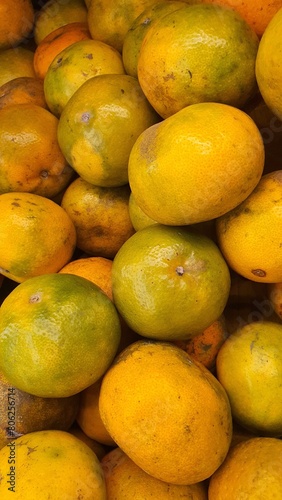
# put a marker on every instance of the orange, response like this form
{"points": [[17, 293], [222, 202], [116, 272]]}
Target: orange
{"points": [[269, 66], [249, 366], [16, 23], [22, 413], [249, 236], [76, 64], [257, 13], [208, 156], [100, 216], [274, 292], [109, 20], [22, 90], [96, 269], [32, 467], [168, 413], [55, 42], [15, 63], [88, 417], [99, 449], [198, 53], [37, 236], [134, 37], [204, 346], [252, 469], [56, 13], [124, 479], [164, 282], [99, 126], [63, 325], [31, 159], [138, 218]]}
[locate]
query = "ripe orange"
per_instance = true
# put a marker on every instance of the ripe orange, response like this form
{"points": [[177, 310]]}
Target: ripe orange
{"points": [[15, 63], [250, 235], [169, 283], [76, 64], [249, 366], [268, 64], [252, 469], [16, 22], [88, 417], [99, 126], [96, 269], [36, 236], [56, 13], [22, 90], [109, 20], [198, 53], [168, 413], [257, 13], [124, 479], [100, 216], [55, 42], [208, 157], [32, 467], [31, 159], [45, 329]]}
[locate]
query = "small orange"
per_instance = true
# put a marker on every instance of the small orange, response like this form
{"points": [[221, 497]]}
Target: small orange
{"points": [[55, 42], [100, 216], [167, 412], [109, 20], [251, 470], [96, 269], [37, 236], [76, 64], [204, 347], [56, 13], [99, 449], [124, 479], [60, 324], [22, 90], [31, 159], [15, 63], [88, 417], [16, 22], [138, 218]]}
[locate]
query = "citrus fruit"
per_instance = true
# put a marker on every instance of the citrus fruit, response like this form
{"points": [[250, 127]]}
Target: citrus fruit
{"points": [[56, 13], [175, 421], [249, 366], [169, 283], [208, 156], [100, 216], [109, 20], [99, 449], [274, 291], [88, 417], [22, 413], [60, 324], [257, 13], [31, 159], [249, 236], [55, 42], [33, 464], [198, 53], [134, 37], [99, 126], [76, 64], [16, 23], [36, 236], [205, 345], [22, 90], [124, 479], [15, 63], [269, 66], [138, 218], [96, 269], [252, 469]]}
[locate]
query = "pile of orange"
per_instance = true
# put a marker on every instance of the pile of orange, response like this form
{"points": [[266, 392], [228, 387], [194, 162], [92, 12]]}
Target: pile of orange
{"points": [[140, 249]]}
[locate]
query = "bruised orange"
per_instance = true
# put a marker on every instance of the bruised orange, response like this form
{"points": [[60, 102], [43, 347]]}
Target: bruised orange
{"points": [[22, 90]]}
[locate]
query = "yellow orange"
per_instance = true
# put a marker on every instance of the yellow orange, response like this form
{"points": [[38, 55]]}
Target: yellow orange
{"points": [[15, 63]]}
